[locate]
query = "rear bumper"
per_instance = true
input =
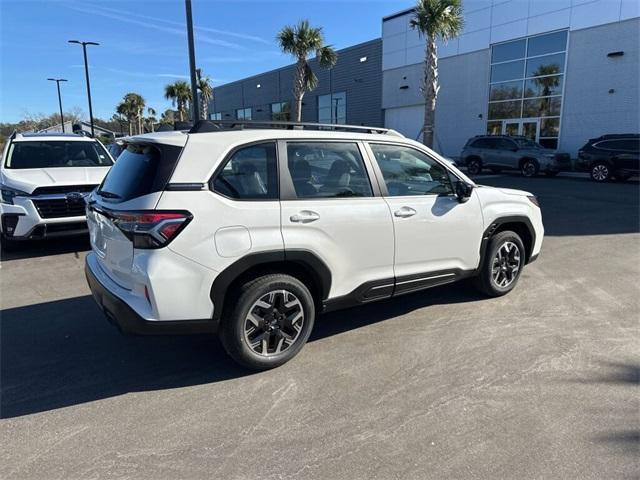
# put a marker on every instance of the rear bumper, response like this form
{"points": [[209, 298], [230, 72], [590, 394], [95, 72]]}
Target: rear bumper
{"points": [[121, 315]]}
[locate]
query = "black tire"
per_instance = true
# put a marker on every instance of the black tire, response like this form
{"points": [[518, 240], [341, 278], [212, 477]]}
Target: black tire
{"points": [[474, 166], [600, 172], [233, 328], [496, 170], [485, 281], [551, 174], [529, 167]]}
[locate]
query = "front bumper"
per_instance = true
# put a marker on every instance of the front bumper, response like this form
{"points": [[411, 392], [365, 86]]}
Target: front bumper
{"points": [[122, 316], [21, 221]]}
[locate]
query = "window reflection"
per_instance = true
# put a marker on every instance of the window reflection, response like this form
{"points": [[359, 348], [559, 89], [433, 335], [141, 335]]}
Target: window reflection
{"points": [[541, 107], [507, 71], [508, 51], [506, 90], [550, 43], [547, 65], [543, 86]]}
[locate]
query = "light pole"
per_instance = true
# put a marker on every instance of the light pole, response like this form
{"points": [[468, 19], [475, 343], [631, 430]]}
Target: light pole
{"points": [[195, 108], [58, 80], [86, 72]]}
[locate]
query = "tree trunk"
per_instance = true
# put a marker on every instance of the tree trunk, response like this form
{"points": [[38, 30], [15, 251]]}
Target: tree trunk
{"points": [[430, 89], [298, 89]]}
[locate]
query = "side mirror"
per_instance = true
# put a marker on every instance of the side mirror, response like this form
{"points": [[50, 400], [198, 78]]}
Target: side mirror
{"points": [[463, 191]]}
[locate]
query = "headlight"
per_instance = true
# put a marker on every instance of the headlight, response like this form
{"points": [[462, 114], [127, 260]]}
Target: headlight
{"points": [[8, 194]]}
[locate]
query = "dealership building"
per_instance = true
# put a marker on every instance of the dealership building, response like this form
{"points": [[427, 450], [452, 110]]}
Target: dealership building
{"points": [[557, 71]]}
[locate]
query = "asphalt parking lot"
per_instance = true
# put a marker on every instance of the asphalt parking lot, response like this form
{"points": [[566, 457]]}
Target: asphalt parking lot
{"points": [[542, 383]]}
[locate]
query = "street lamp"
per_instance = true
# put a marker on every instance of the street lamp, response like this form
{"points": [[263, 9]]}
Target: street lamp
{"points": [[195, 107], [58, 80], [86, 72]]}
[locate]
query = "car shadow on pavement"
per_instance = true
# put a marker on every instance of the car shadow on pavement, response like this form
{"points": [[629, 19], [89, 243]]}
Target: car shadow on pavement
{"points": [[44, 248], [64, 353]]}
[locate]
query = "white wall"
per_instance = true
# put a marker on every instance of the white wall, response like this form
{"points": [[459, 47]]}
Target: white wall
{"points": [[589, 110], [493, 21]]}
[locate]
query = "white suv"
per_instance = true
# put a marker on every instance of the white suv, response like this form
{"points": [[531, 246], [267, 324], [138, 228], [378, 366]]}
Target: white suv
{"points": [[251, 232], [43, 181]]}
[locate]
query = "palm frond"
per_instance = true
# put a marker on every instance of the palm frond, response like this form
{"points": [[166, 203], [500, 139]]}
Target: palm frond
{"points": [[310, 79], [438, 19], [327, 56]]}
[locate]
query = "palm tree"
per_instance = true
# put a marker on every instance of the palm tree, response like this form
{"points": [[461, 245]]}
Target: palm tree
{"points": [[179, 93], [131, 107], [300, 41], [434, 20], [151, 117], [206, 93], [168, 117]]}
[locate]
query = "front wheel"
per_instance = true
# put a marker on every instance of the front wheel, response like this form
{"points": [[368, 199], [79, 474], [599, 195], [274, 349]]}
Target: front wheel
{"points": [[502, 264], [268, 322], [474, 166], [600, 172], [529, 168]]}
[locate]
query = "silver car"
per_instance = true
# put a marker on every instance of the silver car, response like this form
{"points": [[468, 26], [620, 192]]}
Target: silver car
{"points": [[502, 152]]}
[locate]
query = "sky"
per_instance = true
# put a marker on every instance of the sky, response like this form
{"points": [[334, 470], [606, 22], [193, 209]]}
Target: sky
{"points": [[143, 45]]}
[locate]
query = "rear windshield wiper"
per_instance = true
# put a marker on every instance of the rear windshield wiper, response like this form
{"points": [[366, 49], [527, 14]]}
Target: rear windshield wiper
{"points": [[105, 194]]}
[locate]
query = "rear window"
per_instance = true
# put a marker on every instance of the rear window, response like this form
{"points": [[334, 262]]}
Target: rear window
{"points": [[56, 154], [141, 169]]}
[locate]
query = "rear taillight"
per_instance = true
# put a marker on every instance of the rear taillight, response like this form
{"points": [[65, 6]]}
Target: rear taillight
{"points": [[151, 229]]}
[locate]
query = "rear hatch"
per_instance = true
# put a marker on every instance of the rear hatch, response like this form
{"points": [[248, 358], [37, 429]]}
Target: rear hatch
{"points": [[121, 212]]}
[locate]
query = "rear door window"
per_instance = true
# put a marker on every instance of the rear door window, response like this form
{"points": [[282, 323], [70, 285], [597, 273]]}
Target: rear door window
{"points": [[141, 169], [327, 169]]}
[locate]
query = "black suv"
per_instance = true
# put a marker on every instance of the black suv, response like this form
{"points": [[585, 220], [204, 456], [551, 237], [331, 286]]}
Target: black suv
{"points": [[611, 156], [503, 152]]}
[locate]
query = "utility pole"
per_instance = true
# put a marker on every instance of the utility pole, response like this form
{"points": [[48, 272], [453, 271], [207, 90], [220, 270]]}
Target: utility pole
{"points": [[86, 72], [58, 80], [195, 107]]}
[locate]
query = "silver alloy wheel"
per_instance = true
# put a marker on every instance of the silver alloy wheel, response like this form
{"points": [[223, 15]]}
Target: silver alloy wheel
{"points": [[600, 173], [273, 323], [506, 264]]}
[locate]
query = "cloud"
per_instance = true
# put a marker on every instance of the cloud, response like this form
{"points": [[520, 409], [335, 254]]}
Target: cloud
{"points": [[123, 17], [243, 36]]}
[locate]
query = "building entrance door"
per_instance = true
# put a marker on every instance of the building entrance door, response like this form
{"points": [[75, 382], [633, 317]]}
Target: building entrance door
{"points": [[527, 128]]}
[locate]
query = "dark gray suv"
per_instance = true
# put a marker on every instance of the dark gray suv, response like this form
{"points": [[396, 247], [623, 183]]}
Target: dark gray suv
{"points": [[502, 152]]}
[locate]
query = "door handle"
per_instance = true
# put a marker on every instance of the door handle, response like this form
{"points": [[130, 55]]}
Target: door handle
{"points": [[305, 216], [405, 212]]}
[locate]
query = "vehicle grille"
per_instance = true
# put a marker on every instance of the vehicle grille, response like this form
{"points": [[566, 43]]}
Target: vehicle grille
{"points": [[60, 207], [63, 189]]}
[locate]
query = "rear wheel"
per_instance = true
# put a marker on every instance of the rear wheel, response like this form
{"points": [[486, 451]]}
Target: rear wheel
{"points": [[502, 265], [600, 172], [529, 167], [269, 321], [474, 166]]}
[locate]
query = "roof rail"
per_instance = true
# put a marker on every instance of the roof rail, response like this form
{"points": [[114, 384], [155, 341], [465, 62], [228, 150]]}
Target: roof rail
{"points": [[203, 126], [14, 134]]}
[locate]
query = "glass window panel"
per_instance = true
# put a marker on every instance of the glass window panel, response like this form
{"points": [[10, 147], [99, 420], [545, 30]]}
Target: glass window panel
{"points": [[327, 170], [547, 65], [553, 42], [250, 174], [549, 143], [511, 109], [508, 51], [549, 127], [493, 128], [541, 107], [407, 171], [543, 86], [506, 90], [324, 101], [507, 71]]}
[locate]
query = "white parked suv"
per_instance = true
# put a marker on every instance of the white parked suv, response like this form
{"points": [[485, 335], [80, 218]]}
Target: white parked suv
{"points": [[43, 181], [253, 231]]}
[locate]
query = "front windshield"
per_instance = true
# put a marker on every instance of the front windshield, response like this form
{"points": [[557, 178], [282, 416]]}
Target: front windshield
{"points": [[56, 154], [526, 143]]}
